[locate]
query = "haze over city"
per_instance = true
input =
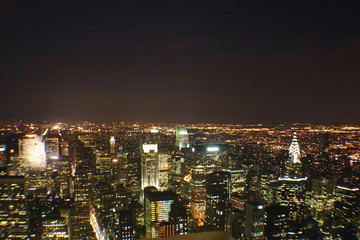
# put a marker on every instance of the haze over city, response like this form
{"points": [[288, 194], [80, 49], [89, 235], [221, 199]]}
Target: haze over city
{"points": [[180, 61]]}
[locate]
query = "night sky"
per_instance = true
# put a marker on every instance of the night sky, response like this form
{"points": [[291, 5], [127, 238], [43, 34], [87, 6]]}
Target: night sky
{"points": [[180, 61]]}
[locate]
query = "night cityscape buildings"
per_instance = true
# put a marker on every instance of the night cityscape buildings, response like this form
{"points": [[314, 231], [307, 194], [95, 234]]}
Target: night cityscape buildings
{"points": [[233, 120], [131, 181]]}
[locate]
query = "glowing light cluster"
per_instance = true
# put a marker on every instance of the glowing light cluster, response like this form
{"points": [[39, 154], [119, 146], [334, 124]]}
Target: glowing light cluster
{"points": [[32, 150], [212, 149], [294, 150]]}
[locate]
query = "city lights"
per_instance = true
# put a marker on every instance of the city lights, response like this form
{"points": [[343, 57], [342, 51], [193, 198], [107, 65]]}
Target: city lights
{"points": [[86, 180]]}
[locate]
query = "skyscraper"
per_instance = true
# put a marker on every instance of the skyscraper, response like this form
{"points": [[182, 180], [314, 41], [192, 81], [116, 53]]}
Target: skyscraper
{"points": [[150, 166], [13, 214], [217, 199], [112, 145], [198, 194], [32, 151], [294, 150], [157, 208], [255, 219], [182, 137]]}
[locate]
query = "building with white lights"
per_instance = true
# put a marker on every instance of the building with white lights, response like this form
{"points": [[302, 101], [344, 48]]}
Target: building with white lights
{"points": [[150, 166], [182, 137], [32, 152]]}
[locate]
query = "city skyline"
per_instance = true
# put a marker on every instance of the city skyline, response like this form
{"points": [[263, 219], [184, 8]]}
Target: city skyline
{"points": [[178, 61], [131, 181]]}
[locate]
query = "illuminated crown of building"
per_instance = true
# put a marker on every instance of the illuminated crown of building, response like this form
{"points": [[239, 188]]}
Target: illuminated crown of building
{"points": [[294, 150]]}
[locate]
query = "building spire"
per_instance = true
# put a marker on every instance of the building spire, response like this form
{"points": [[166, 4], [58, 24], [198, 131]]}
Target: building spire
{"points": [[294, 150]]}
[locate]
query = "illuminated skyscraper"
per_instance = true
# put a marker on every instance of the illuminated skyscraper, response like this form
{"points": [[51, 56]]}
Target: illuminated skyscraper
{"points": [[150, 166], [150, 174], [182, 137], [13, 214], [294, 150], [51, 148], [32, 151], [112, 145], [255, 220], [198, 194], [157, 209], [164, 169], [291, 190], [217, 199], [347, 210]]}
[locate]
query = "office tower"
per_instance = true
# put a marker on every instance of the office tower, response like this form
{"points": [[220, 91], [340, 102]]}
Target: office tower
{"points": [[114, 217], [277, 222], [52, 149], [217, 199], [253, 179], [175, 174], [112, 145], [234, 223], [347, 210], [62, 176], [64, 148], [255, 220], [179, 217], [157, 208], [237, 180], [269, 183], [291, 193], [32, 152], [56, 225], [13, 213], [198, 194], [291, 186], [322, 199], [82, 191], [124, 226], [150, 166], [103, 164], [182, 137], [164, 168], [153, 137], [85, 162]]}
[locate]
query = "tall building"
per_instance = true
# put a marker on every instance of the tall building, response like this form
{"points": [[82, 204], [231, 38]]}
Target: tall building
{"points": [[294, 150], [85, 162], [237, 180], [175, 174], [157, 208], [150, 166], [217, 199], [13, 211], [277, 222], [255, 220], [179, 218], [56, 226], [52, 149], [32, 152], [164, 168], [112, 145], [290, 191], [347, 210], [198, 194], [182, 137], [322, 199]]}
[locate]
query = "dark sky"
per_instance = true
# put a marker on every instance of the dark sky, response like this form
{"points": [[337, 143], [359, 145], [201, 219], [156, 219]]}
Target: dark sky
{"points": [[180, 61]]}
